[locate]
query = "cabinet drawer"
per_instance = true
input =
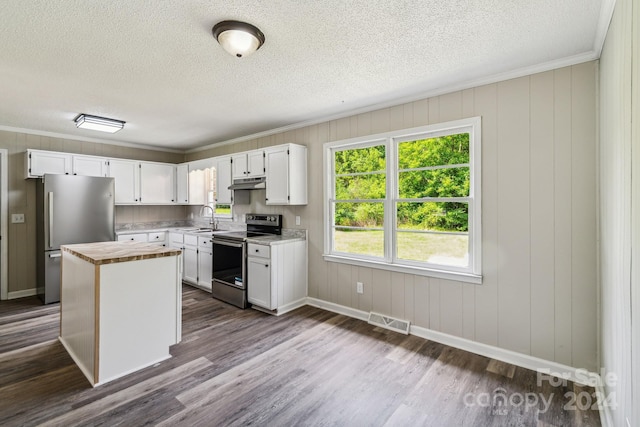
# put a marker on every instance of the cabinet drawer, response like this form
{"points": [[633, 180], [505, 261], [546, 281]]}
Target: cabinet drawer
{"points": [[205, 242], [137, 237], [258, 250], [190, 239], [176, 238], [157, 237]]}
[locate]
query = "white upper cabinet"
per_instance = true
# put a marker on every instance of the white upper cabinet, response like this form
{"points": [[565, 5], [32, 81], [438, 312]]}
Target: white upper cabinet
{"points": [[135, 181], [127, 180], [157, 183], [239, 165], [39, 163], [89, 166], [182, 183], [224, 196], [248, 165], [255, 160], [143, 182], [286, 174]]}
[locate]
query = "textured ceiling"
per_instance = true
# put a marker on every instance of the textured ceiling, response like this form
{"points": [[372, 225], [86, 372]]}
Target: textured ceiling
{"points": [[155, 64]]}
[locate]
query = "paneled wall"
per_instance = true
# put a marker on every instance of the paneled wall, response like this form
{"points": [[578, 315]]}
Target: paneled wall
{"points": [[22, 237], [620, 200], [539, 293]]}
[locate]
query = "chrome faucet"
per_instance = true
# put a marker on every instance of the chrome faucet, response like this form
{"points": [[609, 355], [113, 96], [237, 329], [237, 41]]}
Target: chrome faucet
{"points": [[212, 221]]}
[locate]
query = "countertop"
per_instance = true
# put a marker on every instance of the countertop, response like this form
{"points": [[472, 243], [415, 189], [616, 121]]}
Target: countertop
{"points": [[114, 252], [275, 240], [288, 235]]}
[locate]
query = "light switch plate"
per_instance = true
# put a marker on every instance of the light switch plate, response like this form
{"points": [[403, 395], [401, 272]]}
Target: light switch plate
{"points": [[17, 218], [297, 219], [359, 287]]}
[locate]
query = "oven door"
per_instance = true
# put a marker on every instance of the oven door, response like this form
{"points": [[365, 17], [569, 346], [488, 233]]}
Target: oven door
{"points": [[229, 262]]}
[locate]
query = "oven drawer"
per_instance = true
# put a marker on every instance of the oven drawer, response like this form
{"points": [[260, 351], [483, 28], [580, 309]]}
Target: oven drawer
{"points": [[262, 251]]}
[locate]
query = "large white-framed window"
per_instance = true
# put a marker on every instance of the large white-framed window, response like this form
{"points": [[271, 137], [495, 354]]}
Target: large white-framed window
{"points": [[407, 200]]}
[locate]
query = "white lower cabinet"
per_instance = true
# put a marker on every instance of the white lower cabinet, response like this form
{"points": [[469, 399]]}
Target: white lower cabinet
{"points": [[197, 257], [159, 238], [259, 281], [190, 256], [277, 276], [205, 262], [136, 237]]}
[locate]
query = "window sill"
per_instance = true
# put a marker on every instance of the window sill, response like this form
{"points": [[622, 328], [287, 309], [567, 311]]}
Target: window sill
{"points": [[440, 274]]}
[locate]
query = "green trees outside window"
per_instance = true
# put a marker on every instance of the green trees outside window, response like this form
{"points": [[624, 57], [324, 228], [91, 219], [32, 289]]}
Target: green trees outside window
{"points": [[430, 199]]}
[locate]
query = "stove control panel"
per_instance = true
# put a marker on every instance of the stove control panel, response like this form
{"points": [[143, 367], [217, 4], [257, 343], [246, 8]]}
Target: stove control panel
{"points": [[264, 219]]}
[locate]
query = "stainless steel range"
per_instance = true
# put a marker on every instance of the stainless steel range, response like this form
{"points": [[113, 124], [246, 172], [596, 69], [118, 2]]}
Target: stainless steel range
{"points": [[229, 282]]}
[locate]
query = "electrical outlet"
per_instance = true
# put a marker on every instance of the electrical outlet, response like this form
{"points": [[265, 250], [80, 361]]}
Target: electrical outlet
{"points": [[297, 219], [359, 287], [17, 218]]}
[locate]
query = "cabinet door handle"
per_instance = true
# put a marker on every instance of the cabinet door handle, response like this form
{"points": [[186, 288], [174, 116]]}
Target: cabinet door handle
{"points": [[266, 265], [257, 250]]}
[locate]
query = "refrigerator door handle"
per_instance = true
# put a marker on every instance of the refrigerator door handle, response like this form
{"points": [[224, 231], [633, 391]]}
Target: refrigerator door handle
{"points": [[55, 255], [50, 219]]}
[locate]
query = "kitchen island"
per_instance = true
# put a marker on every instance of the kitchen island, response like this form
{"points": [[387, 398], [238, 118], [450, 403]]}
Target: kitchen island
{"points": [[121, 306]]}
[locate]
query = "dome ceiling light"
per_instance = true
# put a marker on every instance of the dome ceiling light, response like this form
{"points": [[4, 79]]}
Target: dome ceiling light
{"points": [[238, 38]]}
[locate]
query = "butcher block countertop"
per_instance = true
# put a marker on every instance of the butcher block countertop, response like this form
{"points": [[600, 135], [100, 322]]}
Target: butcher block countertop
{"points": [[113, 252]]}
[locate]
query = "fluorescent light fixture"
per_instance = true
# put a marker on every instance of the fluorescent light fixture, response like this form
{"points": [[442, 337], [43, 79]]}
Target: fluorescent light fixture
{"points": [[102, 124], [238, 38]]}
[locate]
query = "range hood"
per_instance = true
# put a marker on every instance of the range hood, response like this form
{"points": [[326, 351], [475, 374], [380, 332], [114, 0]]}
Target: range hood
{"points": [[248, 184]]}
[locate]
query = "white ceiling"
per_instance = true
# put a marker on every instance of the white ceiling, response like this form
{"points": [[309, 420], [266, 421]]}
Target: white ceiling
{"points": [[155, 64]]}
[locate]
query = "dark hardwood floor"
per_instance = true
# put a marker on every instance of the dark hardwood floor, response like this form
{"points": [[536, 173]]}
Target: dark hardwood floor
{"points": [[243, 367]]}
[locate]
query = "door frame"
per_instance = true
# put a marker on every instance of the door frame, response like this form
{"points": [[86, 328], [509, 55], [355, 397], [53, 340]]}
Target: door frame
{"points": [[4, 219]]}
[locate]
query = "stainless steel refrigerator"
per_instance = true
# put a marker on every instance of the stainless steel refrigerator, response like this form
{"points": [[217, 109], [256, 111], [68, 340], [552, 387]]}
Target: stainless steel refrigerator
{"points": [[69, 209]]}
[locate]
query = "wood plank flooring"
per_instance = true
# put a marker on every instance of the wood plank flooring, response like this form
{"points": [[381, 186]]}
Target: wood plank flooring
{"points": [[244, 367]]}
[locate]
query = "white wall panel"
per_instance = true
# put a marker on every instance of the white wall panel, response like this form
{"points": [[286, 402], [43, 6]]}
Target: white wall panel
{"points": [[486, 329], [365, 299], [451, 299], [450, 107], [421, 301], [434, 304], [346, 288], [409, 297], [420, 112], [583, 222], [562, 205], [398, 295], [542, 216], [514, 303], [381, 292], [380, 121]]}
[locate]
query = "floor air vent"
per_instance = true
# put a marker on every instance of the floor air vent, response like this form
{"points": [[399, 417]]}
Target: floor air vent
{"points": [[397, 325]]}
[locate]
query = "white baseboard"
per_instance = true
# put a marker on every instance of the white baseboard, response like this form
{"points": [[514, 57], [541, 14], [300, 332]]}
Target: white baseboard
{"points": [[337, 308], [291, 306], [580, 376], [22, 294]]}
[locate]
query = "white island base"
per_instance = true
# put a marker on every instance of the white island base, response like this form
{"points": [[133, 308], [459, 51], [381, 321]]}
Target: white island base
{"points": [[120, 311]]}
